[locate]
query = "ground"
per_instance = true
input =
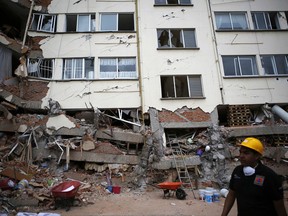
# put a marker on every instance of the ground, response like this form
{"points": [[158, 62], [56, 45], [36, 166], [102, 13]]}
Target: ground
{"points": [[149, 203]]}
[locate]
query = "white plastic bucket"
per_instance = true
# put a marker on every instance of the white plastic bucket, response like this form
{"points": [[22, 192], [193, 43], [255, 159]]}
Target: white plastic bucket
{"points": [[216, 196], [201, 194], [224, 192]]}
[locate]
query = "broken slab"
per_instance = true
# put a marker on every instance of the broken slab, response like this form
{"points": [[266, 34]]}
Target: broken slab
{"points": [[89, 156], [88, 145], [102, 158], [5, 112], [8, 125], [120, 135], [70, 132], [257, 130], [20, 102], [178, 125], [17, 173], [169, 163], [24, 201], [59, 121]]}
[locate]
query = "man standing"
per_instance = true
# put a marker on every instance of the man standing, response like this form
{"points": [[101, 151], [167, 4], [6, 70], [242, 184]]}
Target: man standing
{"points": [[257, 188]]}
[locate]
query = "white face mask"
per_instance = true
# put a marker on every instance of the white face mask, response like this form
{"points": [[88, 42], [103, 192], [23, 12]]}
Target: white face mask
{"points": [[248, 171]]}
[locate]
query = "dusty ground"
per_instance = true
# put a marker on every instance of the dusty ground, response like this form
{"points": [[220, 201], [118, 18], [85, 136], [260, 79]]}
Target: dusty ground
{"points": [[150, 203]]}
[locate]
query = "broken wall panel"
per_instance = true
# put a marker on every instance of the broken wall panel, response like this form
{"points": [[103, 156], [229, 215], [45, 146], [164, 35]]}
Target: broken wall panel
{"points": [[184, 118], [119, 135]]}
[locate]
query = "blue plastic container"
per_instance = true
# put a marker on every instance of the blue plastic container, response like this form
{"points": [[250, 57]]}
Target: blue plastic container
{"points": [[110, 188]]}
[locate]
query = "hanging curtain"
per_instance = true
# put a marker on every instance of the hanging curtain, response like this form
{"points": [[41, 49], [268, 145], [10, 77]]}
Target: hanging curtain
{"points": [[5, 63], [108, 68]]}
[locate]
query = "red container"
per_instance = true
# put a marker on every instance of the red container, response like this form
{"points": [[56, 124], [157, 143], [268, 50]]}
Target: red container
{"points": [[116, 189], [66, 189], [7, 184]]}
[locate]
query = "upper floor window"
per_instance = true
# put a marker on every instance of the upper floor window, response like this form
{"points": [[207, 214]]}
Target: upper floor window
{"points": [[265, 20], [239, 65], [78, 68], [42, 68], [43, 22], [80, 23], [117, 22], [172, 2], [275, 64], [231, 20], [118, 68], [174, 38], [181, 86]]}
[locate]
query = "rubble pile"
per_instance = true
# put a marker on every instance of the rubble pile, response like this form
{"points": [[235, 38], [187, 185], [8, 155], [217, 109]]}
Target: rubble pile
{"points": [[40, 151], [29, 187]]}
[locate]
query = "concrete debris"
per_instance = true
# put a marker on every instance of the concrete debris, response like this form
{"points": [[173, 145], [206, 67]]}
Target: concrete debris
{"points": [[56, 122], [54, 107], [5, 112], [45, 150]]}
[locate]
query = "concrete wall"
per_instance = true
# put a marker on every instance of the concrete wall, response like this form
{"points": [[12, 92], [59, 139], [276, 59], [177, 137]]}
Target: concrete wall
{"points": [[79, 94], [257, 89], [177, 62], [205, 61]]}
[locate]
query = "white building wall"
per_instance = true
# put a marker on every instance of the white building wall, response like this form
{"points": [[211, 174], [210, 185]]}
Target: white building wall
{"points": [[155, 63], [80, 94], [253, 89]]}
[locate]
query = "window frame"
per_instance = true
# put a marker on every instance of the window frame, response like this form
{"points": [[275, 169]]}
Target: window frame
{"points": [[75, 63], [166, 2], [119, 21], [38, 25], [270, 24], [40, 67], [73, 23], [238, 65], [190, 92], [116, 74], [184, 39], [232, 22], [275, 64]]}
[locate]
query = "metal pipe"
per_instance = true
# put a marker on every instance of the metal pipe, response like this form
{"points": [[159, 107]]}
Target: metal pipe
{"points": [[27, 24], [139, 61], [215, 48], [280, 112]]}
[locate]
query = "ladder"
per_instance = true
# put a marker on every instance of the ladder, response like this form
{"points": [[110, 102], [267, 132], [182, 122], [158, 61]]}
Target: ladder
{"points": [[180, 163]]}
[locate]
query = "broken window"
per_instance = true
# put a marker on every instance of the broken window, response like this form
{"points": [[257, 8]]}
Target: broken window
{"points": [[118, 68], [182, 86], [80, 68], [42, 68], [239, 65], [43, 22], [117, 22], [80, 23], [265, 20], [174, 38], [175, 2], [275, 64], [231, 20]]}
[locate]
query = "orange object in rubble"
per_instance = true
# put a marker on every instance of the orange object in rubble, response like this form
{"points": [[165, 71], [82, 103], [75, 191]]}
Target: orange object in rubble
{"points": [[170, 185]]}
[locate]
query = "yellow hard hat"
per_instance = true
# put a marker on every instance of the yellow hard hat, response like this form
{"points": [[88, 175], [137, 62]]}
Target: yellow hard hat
{"points": [[254, 144]]}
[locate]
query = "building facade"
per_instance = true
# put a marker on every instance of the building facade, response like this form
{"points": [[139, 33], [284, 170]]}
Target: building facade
{"points": [[133, 55]]}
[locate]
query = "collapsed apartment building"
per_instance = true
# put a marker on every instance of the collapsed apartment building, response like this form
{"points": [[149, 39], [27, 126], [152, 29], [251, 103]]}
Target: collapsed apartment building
{"points": [[126, 81]]}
